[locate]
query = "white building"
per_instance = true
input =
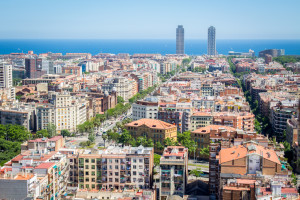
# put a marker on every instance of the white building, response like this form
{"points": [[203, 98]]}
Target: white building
{"points": [[64, 111], [119, 84], [145, 109], [6, 80]]}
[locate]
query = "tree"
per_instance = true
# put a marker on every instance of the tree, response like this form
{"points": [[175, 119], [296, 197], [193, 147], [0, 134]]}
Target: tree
{"points": [[186, 140], [159, 146], [51, 129], [42, 133], [120, 99], [65, 133], [92, 137], [196, 172], [170, 142], [104, 137], [157, 159], [204, 151], [125, 137]]}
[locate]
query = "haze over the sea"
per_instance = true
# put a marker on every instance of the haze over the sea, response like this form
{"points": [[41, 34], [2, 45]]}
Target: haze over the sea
{"points": [[162, 46]]}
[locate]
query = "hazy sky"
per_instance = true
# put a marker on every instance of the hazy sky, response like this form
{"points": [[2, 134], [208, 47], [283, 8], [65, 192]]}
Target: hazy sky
{"points": [[150, 19]]}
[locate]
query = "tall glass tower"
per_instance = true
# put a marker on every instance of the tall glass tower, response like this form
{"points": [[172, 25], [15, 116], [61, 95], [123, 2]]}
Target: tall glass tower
{"points": [[180, 40], [211, 41]]}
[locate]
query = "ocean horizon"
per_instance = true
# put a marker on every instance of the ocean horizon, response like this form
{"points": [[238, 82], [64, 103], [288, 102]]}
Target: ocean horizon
{"points": [[132, 46]]}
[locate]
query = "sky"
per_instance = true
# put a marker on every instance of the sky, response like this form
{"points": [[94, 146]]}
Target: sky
{"points": [[148, 19]]}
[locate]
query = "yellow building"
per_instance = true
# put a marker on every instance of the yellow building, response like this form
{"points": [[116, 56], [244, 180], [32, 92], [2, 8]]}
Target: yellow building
{"points": [[201, 119], [157, 130]]}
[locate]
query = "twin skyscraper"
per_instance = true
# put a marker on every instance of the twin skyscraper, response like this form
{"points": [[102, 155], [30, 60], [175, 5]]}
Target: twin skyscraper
{"points": [[211, 40]]}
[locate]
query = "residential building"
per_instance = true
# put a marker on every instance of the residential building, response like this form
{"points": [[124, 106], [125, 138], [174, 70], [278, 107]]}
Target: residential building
{"points": [[6, 79], [116, 168], [211, 41], [42, 171], [173, 172], [292, 129], [241, 120], [201, 119], [120, 85], [155, 129], [180, 40], [145, 109], [279, 117], [64, 111], [248, 161], [21, 114], [19, 186]]}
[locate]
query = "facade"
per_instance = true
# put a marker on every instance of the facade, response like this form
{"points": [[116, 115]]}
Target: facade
{"points": [[64, 111], [120, 85], [38, 172], [151, 128], [241, 120], [115, 168], [19, 186], [272, 52], [244, 161], [211, 41], [173, 171], [279, 117], [292, 129], [180, 40], [145, 109], [201, 119], [33, 68], [6, 78], [23, 115]]}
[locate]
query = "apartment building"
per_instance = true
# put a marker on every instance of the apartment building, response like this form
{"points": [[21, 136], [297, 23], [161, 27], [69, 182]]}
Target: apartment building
{"points": [[6, 79], [241, 120], [42, 171], [19, 186], [64, 111], [115, 168], [19, 114], [249, 161], [292, 129], [279, 117], [145, 109], [157, 130], [119, 84], [173, 172], [201, 119]]}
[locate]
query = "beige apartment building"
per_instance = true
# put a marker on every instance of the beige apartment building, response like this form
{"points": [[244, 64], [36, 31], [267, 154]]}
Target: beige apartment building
{"points": [[113, 168], [64, 111], [119, 84]]}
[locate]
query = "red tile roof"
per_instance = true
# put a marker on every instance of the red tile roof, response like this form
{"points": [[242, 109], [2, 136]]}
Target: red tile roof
{"points": [[45, 165], [151, 123]]}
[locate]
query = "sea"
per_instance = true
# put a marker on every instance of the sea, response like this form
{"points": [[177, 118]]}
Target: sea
{"points": [[132, 46]]}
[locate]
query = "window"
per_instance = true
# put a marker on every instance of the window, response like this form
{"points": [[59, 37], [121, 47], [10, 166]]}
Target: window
{"points": [[86, 167], [93, 173], [93, 161], [87, 179], [134, 173], [93, 166], [134, 166], [87, 160], [86, 173], [110, 179]]}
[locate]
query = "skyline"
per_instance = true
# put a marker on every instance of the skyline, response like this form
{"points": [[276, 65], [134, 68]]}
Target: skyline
{"points": [[104, 20]]}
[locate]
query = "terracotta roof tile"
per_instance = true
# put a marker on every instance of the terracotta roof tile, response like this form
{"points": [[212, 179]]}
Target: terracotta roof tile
{"points": [[151, 123]]}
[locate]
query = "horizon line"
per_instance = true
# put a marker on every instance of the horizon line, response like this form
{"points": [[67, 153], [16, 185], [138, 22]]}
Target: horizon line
{"points": [[145, 39]]}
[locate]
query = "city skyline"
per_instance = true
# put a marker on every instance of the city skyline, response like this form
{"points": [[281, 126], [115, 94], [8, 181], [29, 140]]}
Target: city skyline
{"points": [[101, 20]]}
